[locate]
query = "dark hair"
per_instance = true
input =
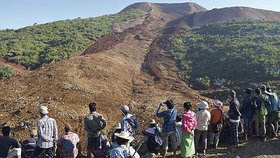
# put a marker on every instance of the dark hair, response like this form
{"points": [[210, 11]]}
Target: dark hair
{"points": [[92, 107], [187, 105], [6, 130], [268, 89], [121, 141], [169, 103], [67, 127], [258, 91], [248, 91]]}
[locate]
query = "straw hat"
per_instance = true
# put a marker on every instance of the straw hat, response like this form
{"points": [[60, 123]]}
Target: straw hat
{"points": [[124, 135], [152, 121], [202, 105]]}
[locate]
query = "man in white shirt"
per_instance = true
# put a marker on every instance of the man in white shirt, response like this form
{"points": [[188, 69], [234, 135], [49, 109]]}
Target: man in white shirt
{"points": [[203, 117], [47, 134]]}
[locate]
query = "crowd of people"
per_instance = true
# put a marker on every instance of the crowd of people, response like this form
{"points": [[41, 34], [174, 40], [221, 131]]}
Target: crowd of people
{"points": [[193, 132]]}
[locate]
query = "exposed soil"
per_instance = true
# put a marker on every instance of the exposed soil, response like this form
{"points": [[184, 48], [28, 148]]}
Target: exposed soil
{"points": [[131, 67]]}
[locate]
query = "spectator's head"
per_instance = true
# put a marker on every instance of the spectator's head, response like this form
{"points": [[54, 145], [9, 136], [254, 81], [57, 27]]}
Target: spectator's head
{"points": [[187, 106], [258, 91], [263, 88], [169, 103], [92, 107], [202, 105], [152, 123], [6, 130], [43, 110], [67, 128], [124, 109], [218, 104], [33, 133], [232, 94], [268, 89], [123, 138], [248, 91]]}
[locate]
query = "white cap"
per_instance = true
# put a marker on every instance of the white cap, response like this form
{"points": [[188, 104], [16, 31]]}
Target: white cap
{"points": [[202, 105], [43, 110], [124, 108]]}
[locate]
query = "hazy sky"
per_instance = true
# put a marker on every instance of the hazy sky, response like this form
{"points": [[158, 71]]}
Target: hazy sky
{"points": [[20, 13]]}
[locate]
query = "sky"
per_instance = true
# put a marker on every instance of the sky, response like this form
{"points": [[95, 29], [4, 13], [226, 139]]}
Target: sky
{"points": [[16, 14]]}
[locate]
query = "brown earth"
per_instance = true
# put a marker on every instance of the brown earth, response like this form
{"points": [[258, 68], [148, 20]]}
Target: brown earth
{"points": [[16, 67], [131, 67]]}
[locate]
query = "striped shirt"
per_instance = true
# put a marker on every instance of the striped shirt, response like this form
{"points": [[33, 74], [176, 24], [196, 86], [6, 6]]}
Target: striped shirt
{"points": [[47, 132]]}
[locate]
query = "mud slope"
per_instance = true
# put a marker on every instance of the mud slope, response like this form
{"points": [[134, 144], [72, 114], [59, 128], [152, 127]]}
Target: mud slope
{"points": [[130, 67], [232, 13]]}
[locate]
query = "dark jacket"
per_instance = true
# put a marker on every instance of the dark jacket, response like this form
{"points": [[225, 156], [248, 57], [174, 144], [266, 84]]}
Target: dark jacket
{"points": [[233, 111], [248, 109]]}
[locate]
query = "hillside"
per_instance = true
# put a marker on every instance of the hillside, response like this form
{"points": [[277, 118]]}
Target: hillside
{"points": [[36, 45], [232, 13], [130, 64]]}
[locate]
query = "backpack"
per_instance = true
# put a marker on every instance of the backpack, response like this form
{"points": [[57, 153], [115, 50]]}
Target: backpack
{"points": [[67, 146], [263, 110], [134, 123]]}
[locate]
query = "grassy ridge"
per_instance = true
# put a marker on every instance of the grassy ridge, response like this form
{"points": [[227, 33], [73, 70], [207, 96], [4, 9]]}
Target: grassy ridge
{"points": [[36, 45], [240, 51]]}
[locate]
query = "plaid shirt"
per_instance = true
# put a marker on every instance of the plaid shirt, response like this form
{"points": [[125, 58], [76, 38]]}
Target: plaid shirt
{"points": [[169, 119], [47, 132], [123, 152], [73, 137]]}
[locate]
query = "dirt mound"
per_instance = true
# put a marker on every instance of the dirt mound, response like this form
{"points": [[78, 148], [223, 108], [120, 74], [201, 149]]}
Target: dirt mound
{"points": [[168, 8], [19, 69], [232, 13]]}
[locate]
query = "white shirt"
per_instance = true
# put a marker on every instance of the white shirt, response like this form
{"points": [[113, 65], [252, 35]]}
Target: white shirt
{"points": [[203, 117]]}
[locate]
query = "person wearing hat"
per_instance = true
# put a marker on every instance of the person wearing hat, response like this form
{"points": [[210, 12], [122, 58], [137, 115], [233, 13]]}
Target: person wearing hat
{"points": [[124, 150], [169, 125], [94, 123], [116, 129], [29, 145], [216, 124], [129, 122], [153, 137], [188, 126], [202, 117], [47, 134], [68, 145], [234, 118], [273, 116], [248, 111]]}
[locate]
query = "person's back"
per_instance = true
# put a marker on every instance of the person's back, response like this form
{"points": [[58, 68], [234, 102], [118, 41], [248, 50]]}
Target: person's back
{"points": [[28, 147], [203, 117], [129, 122], [6, 142], [92, 123], [247, 109]]}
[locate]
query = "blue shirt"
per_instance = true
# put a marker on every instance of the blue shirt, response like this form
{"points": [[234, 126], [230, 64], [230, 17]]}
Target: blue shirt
{"points": [[169, 119], [123, 152]]}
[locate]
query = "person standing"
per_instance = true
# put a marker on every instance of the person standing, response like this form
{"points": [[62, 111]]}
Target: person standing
{"points": [[69, 144], [93, 124], [169, 126], [234, 118], [200, 134], [261, 104], [129, 122], [47, 134], [248, 110], [216, 124], [6, 143], [273, 116], [188, 125]]}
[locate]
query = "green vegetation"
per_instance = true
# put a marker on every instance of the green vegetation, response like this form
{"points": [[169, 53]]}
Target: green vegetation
{"points": [[240, 51], [36, 45], [5, 72]]}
